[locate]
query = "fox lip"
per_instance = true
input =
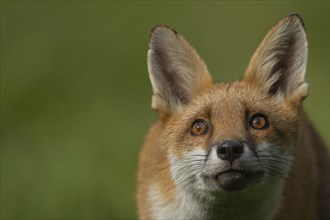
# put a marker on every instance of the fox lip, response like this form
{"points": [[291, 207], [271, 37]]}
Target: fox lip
{"points": [[236, 180]]}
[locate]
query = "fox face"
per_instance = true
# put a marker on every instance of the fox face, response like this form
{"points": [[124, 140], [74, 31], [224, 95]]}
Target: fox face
{"points": [[231, 137], [223, 149]]}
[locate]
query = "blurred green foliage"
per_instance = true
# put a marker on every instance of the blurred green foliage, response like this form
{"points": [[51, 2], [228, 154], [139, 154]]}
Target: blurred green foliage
{"points": [[75, 93]]}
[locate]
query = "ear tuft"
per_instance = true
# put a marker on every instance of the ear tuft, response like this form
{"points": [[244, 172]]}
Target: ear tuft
{"points": [[279, 63]]}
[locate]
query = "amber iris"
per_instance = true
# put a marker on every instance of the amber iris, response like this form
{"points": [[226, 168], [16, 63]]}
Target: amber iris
{"points": [[258, 121], [199, 127]]}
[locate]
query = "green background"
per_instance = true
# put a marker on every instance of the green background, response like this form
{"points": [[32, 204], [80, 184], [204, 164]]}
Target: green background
{"points": [[75, 93]]}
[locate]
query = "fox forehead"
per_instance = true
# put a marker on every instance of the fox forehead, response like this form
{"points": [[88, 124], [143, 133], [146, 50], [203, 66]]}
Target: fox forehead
{"points": [[232, 99]]}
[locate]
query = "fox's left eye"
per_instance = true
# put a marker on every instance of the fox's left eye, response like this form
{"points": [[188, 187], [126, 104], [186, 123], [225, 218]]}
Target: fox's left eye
{"points": [[258, 121], [199, 127]]}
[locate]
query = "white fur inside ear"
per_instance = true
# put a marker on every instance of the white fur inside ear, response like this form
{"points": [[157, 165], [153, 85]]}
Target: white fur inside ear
{"points": [[176, 71], [279, 63]]}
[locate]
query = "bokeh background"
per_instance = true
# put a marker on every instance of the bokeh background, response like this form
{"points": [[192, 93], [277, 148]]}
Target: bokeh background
{"points": [[75, 93]]}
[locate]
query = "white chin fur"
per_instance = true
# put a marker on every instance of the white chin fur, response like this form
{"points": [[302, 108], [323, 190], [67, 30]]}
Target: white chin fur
{"points": [[193, 198]]}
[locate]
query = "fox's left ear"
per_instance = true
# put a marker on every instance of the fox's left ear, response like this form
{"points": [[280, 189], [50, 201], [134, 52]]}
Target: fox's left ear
{"points": [[278, 66]]}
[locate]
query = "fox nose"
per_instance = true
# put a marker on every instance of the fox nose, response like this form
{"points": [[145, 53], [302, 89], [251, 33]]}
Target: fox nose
{"points": [[230, 150]]}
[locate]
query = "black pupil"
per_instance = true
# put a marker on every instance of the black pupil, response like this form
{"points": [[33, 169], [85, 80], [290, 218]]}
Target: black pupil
{"points": [[199, 126], [258, 122]]}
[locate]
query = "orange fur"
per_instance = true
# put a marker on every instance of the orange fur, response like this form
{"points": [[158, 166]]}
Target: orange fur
{"points": [[183, 176]]}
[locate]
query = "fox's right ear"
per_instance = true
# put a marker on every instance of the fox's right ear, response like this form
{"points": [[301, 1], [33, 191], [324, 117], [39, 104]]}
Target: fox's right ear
{"points": [[176, 71]]}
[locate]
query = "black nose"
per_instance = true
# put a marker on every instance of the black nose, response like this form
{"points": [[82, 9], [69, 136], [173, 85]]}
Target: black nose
{"points": [[230, 150]]}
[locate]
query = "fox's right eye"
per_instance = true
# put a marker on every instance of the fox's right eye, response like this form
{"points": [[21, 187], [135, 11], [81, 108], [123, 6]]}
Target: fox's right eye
{"points": [[199, 127]]}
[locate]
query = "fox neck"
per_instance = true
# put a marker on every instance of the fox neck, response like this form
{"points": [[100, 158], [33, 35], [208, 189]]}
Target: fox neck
{"points": [[261, 203]]}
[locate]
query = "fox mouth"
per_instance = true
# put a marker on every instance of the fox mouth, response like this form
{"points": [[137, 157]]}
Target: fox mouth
{"points": [[235, 180]]}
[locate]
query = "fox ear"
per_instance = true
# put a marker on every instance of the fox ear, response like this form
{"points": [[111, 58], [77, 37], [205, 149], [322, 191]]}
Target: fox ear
{"points": [[176, 71], [279, 63]]}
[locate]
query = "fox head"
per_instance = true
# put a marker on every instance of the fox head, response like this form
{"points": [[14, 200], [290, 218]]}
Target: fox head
{"points": [[238, 136]]}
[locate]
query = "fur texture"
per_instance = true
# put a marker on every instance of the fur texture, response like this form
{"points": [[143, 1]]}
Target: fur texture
{"points": [[281, 168]]}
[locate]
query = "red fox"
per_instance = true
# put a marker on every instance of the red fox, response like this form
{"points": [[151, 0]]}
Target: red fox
{"points": [[240, 150]]}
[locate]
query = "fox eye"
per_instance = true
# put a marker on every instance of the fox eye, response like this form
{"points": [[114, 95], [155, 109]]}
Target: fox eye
{"points": [[258, 121], [199, 127]]}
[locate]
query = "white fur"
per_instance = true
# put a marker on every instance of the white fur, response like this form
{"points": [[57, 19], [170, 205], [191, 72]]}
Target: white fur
{"points": [[176, 71], [285, 43], [193, 200]]}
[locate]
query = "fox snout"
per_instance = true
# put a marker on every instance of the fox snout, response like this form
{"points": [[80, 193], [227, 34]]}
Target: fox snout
{"points": [[229, 150], [231, 165]]}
